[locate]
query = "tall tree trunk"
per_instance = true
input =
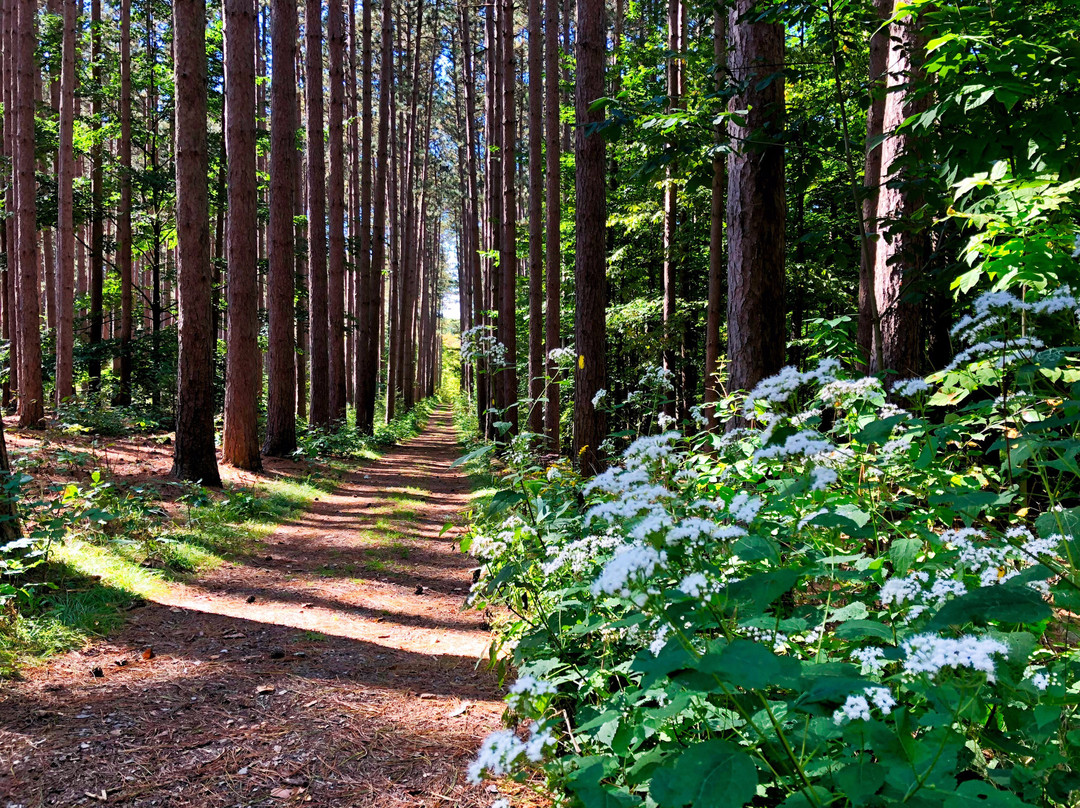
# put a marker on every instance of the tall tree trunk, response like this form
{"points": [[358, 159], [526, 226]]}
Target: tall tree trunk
{"points": [[97, 209], [756, 208], [590, 279], [508, 247], [901, 250], [671, 196], [194, 457], [318, 321], [553, 257], [372, 235], [28, 314], [123, 219], [536, 220], [65, 226], [472, 170], [240, 441], [281, 381], [875, 117], [336, 194], [715, 302]]}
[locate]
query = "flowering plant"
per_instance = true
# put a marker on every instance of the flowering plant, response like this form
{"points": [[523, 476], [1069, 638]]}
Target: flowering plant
{"points": [[861, 599]]}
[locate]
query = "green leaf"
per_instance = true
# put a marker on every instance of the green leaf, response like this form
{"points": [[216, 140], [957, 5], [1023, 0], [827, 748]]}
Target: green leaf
{"points": [[750, 665], [977, 794], [1004, 603], [902, 552], [856, 629], [860, 781], [713, 774]]}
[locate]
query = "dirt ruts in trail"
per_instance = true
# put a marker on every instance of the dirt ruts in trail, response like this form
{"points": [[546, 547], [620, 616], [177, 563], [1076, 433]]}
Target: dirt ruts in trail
{"points": [[335, 668]]}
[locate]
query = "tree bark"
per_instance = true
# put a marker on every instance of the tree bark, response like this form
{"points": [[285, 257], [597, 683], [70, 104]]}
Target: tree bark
{"points": [[590, 280], [373, 233], [875, 116], [901, 250], [671, 197], [715, 302], [194, 457], [281, 381], [336, 224], [553, 256], [508, 247], [318, 322], [756, 208], [536, 219], [65, 226], [123, 219], [97, 212], [31, 409], [240, 441]]}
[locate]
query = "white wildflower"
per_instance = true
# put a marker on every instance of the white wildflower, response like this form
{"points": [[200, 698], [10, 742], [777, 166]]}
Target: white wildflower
{"points": [[601, 394], [821, 478], [871, 660], [659, 639], [929, 654], [695, 584], [910, 387], [631, 563]]}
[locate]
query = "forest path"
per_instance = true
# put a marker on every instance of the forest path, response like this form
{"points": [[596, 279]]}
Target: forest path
{"points": [[341, 682]]}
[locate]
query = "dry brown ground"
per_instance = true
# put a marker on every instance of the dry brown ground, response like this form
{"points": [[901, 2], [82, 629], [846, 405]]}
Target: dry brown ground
{"points": [[342, 683]]}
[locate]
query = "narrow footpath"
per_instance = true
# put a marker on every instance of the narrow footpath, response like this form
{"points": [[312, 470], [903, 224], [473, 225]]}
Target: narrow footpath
{"points": [[336, 668]]}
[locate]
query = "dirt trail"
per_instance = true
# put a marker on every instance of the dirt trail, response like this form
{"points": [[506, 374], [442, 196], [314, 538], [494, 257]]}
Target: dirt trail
{"points": [[342, 683]]}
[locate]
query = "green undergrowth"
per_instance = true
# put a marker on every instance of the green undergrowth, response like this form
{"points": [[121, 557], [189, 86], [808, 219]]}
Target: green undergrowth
{"points": [[101, 548]]}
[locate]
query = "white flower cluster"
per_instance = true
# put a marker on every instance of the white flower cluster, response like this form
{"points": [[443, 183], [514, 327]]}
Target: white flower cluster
{"points": [[1008, 351], [993, 309], [913, 588], [910, 387], [857, 706], [598, 398], [478, 343], [563, 357], [845, 391], [768, 636], [526, 690], [806, 443], [631, 563], [696, 585], [930, 654], [871, 660], [657, 378], [744, 507], [821, 478], [502, 751], [580, 554], [779, 388], [488, 547], [996, 564]]}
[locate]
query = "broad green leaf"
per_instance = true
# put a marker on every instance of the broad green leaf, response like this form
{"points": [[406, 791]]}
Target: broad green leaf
{"points": [[902, 553], [749, 665], [1004, 603], [713, 774], [977, 794]]}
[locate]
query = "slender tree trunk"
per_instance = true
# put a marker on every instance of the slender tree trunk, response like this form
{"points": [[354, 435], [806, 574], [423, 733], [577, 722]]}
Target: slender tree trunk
{"points": [[508, 248], [240, 441], [901, 250], [281, 381], [671, 197], [714, 305], [336, 189], [372, 236], [97, 209], [553, 257], [318, 321], [536, 220], [756, 209], [875, 117], [31, 409], [123, 219], [590, 280], [194, 457], [65, 226]]}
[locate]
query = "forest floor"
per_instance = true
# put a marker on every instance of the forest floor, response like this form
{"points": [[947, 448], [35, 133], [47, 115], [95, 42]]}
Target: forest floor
{"points": [[332, 665]]}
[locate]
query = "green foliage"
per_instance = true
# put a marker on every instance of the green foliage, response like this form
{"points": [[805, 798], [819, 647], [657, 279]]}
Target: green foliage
{"points": [[848, 603]]}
